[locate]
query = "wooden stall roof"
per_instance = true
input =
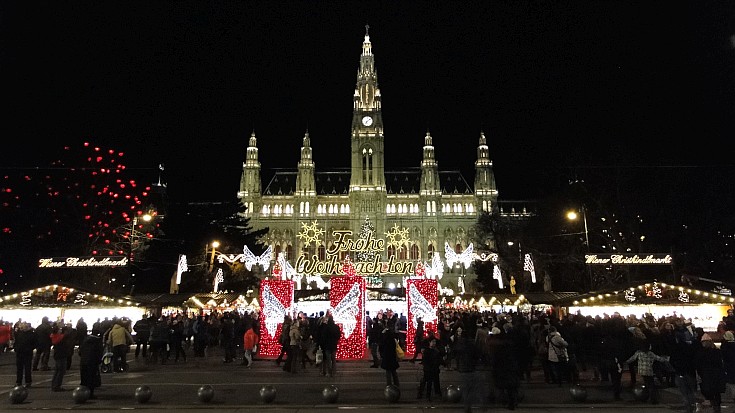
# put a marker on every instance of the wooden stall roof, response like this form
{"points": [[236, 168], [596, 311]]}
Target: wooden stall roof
{"points": [[649, 293]]}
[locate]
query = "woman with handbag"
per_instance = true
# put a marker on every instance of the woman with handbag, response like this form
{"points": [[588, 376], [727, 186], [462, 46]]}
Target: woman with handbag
{"points": [[558, 356], [389, 359]]}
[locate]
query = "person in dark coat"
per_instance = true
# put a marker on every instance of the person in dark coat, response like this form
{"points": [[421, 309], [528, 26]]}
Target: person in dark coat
{"points": [[418, 339], [90, 358], [506, 368], [728, 358], [711, 370], [467, 356], [329, 338], [142, 330], [25, 342], [388, 357], [62, 339], [43, 346], [431, 359], [613, 353]]}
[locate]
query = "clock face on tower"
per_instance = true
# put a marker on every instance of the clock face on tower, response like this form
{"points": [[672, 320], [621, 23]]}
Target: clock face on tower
{"points": [[367, 121]]}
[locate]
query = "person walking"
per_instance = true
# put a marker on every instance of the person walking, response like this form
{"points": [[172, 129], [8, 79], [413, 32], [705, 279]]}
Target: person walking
{"points": [[63, 345], [329, 338], [177, 340], [43, 346], [373, 335], [90, 358], [431, 360], [645, 358], [418, 339], [293, 360], [283, 339], [728, 359], [250, 339], [467, 357], [711, 370], [25, 342], [120, 340], [142, 329], [558, 356], [159, 340], [388, 357], [506, 367]]}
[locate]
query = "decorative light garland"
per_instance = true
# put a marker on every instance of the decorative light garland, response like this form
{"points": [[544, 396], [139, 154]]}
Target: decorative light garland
{"points": [[656, 291]]}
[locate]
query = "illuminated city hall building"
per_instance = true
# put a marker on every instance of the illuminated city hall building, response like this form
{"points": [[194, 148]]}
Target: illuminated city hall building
{"points": [[408, 214]]}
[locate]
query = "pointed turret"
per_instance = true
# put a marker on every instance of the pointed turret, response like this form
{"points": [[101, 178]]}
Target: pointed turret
{"points": [[250, 179], [368, 169], [429, 169], [305, 183], [485, 189]]}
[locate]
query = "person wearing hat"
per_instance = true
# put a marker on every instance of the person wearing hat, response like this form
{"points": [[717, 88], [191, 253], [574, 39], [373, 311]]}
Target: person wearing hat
{"points": [[645, 358], [711, 370], [728, 358]]}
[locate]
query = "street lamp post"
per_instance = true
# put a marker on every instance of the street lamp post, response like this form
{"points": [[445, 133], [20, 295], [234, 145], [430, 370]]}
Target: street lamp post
{"points": [[134, 231], [572, 215], [214, 244]]}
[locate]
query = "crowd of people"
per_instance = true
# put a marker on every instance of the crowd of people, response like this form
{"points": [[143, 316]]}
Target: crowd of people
{"points": [[493, 352]]}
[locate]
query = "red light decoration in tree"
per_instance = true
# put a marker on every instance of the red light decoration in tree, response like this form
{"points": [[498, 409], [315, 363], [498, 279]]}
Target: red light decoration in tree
{"points": [[351, 344], [420, 271], [276, 301], [422, 299]]}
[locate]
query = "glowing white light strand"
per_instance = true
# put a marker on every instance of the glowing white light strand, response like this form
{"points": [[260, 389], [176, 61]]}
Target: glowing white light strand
{"points": [[528, 266], [683, 297], [630, 295], [465, 257], [316, 278], [498, 276], [345, 312]]}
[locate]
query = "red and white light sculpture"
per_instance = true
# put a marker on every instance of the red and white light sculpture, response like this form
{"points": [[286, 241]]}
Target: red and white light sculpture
{"points": [[347, 302], [422, 299], [276, 301]]}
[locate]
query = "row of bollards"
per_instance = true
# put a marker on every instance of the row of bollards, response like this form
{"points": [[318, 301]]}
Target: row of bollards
{"points": [[330, 394]]}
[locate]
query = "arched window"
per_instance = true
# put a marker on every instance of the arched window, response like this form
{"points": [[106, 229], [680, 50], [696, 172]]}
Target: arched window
{"points": [[322, 252], [289, 252], [415, 253], [391, 251], [430, 251], [402, 253]]}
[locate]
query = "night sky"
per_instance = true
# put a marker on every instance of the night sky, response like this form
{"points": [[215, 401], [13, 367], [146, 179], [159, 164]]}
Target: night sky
{"points": [[560, 88]]}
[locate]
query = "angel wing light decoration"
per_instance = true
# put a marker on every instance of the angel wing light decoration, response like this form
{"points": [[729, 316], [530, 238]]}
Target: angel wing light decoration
{"points": [[273, 310], [251, 259], [528, 266], [420, 306], [435, 271], [345, 312], [464, 258], [498, 276]]}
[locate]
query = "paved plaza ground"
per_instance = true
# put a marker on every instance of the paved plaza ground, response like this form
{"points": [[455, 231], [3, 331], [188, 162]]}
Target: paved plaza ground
{"points": [[175, 387]]}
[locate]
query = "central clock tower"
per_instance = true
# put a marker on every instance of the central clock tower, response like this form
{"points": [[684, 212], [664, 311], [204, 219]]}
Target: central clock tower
{"points": [[367, 180]]}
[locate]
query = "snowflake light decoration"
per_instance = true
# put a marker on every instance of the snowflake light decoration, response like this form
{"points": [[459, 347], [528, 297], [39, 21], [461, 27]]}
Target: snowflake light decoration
{"points": [[683, 297], [310, 233], [630, 295], [654, 291], [398, 237]]}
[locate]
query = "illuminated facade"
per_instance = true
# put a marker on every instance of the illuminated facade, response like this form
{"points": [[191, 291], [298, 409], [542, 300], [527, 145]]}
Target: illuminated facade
{"points": [[415, 211]]}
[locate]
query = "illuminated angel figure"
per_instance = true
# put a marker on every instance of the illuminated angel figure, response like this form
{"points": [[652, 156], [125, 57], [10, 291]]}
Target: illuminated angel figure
{"points": [[420, 306], [345, 312], [436, 269], [498, 276], [264, 259], [465, 257], [287, 270], [273, 311]]}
